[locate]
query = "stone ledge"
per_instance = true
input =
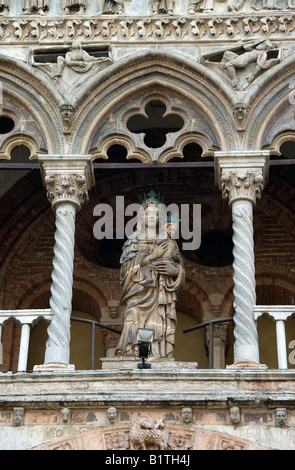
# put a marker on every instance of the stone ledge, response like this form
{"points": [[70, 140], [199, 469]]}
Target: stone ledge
{"points": [[152, 374], [201, 388]]}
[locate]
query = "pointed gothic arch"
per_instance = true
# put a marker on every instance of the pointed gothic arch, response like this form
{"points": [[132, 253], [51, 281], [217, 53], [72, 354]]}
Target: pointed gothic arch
{"points": [[35, 102], [117, 89]]}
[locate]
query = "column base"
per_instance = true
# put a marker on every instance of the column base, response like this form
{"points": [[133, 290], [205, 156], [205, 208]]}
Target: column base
{"points": [[53, 366], [247, 364]]}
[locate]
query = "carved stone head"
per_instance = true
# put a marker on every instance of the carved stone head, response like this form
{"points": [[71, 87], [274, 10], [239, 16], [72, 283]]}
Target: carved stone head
{"points": [[67, 112], [240, 110], [235, 415], [65, 415], [281, 416], [112, 414], [187, 415], [18, 416], [113, 311]]}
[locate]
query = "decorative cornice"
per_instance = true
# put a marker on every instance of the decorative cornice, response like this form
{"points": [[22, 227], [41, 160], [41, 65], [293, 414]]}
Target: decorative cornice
{"points": [[120, 29]]}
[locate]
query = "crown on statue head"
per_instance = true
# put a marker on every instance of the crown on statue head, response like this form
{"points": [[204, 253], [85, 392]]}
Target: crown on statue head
{"points": [[151, 198]]}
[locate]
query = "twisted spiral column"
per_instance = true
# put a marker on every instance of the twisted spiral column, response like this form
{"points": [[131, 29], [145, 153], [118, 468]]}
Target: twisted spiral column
{"points": [[57, 347], [67, 179], [246, 344], [241, 177]]}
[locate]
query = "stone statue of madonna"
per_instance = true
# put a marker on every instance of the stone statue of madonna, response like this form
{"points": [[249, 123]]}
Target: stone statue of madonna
{"points": [[152, 275]]}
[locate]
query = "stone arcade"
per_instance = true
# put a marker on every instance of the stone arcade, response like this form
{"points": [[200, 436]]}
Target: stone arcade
{"points": [[192, 100]]}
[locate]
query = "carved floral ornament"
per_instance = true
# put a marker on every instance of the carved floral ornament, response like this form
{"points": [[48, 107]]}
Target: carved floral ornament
{"points": [[67, 178], [62, 188], [152, 29], [242, 184]]}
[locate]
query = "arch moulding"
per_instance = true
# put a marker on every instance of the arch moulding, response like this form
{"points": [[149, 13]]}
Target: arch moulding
{"points": [[131, 81]]}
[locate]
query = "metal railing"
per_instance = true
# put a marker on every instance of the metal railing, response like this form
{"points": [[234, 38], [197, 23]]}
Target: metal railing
{"points": [[188, 330], [94, 324], [29, 318]]}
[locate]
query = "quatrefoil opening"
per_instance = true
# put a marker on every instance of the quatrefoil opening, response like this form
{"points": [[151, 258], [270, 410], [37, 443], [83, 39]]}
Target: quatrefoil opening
{"points": [[156, 125]]}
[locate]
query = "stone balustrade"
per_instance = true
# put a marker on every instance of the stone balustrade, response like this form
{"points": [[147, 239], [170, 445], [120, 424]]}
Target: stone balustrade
{"points": [[279, 313], [27, 319]]}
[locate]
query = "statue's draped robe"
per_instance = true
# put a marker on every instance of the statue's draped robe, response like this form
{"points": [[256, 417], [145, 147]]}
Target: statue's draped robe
{"points": [[148, 306]]}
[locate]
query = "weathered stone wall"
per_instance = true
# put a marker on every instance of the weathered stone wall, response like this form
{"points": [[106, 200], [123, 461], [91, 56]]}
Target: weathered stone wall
{"points": [[198, 410]]}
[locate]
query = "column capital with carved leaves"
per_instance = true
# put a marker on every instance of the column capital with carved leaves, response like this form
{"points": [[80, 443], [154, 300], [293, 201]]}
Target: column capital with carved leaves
{"points": [[67, 179], [241, 176]]}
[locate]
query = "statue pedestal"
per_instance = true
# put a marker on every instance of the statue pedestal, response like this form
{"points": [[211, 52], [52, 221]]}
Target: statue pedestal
{"points": [[130, 363]]}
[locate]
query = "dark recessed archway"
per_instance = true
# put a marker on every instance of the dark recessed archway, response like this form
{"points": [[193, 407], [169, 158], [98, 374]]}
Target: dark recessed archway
{"points": [[216, 249], [107, 253]]}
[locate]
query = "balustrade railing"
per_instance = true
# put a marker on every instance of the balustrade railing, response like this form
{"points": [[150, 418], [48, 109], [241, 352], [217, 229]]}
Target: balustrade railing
{"points": [[29, 318], [280, 314]]}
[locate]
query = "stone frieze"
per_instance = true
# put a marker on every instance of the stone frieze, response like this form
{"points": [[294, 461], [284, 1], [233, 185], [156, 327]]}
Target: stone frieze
{"points": [[276, 25]]}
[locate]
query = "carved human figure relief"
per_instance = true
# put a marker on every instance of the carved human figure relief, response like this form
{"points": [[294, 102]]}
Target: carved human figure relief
{"points": [[281, 417], [270, 5], [235, 415], [18, 416], [200, 6], [76, 59], [187, 415], [245, 62], [111, 7], [68, 6], [234, 5], [163, 6], [39, 6], [112, 414]]}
